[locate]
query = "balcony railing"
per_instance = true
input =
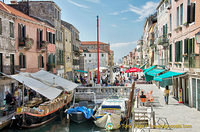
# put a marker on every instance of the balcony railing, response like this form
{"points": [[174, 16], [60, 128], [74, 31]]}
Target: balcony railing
{"points": [[26, 43], [76, 62], [163, 40], [9, 70]]}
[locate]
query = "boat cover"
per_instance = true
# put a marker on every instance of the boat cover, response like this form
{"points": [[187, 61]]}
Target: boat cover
{"points": [[86, 111], [45, 90], [52, 79]]}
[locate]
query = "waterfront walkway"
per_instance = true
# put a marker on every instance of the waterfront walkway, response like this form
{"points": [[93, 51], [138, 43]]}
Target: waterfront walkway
{"points": [[177, 115]]}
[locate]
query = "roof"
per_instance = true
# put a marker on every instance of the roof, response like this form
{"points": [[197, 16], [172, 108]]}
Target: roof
{"points": [[91, 43], [15, 12], [95, 51], [68, 25]]}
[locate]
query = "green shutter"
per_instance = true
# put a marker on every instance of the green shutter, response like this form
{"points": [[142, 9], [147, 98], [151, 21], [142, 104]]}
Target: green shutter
{"points": [[170, 53], [24, 61], [39, 61], [193, 46], [54, 59], [166, 30], [186, 46], [20, 64], [0, 26], [181, 51], [42, 59]]}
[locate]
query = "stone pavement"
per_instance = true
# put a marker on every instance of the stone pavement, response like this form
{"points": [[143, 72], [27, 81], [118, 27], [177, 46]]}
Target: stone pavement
{"points": [[177, 115]]}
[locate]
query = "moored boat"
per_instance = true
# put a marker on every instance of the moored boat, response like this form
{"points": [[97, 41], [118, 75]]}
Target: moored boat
{"points": [[111, 113], [83, 110]]}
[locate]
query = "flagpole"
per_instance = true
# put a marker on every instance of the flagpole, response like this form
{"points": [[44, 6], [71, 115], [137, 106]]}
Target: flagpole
{"points": [[98, 49]]}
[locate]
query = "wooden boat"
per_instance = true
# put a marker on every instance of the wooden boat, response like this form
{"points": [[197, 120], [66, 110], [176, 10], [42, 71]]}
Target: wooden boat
{"points": [[34, 117], [5, 121], [111, 113], [82, 111]]}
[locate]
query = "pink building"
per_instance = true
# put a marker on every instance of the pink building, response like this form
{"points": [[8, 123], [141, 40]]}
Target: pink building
{"points": [[33, 40], [184, 24]]}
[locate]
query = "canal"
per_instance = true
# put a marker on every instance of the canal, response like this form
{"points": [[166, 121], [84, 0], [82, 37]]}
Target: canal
{"points": [[59, 125]]}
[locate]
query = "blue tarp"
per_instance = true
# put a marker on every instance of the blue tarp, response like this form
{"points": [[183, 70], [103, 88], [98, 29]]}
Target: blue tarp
{"points": [[86, 112]]}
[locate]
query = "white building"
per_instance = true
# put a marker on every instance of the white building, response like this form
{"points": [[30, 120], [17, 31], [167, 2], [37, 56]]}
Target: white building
{"points": [[91, 59], [162, 24]]}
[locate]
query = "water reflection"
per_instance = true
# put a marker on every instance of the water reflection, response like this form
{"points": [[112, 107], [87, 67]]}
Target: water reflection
{"points": [[62, 125]]}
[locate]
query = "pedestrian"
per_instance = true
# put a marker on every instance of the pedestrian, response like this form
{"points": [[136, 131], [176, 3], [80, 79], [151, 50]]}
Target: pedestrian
{"points": [[166, 95], [142, 98], [8, 98]]}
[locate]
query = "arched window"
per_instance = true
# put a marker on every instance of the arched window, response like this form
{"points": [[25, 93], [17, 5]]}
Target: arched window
{"points": [[22, 60]]}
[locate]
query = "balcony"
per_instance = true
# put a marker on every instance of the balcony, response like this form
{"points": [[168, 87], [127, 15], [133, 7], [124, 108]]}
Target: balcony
{"points": [[43, 46], [76, 62], [26, 43], [163, 40], [9, 70]]}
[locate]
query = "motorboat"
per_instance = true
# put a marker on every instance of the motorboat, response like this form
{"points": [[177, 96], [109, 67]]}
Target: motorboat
{"points": [[82, 111], [111, 113]]}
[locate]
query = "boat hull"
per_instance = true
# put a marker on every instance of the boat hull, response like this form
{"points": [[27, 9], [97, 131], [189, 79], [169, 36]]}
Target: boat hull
{"points": [[77, 117]]}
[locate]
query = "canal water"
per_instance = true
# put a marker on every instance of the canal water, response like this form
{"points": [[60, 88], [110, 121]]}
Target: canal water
{"points": [[59, 125]]}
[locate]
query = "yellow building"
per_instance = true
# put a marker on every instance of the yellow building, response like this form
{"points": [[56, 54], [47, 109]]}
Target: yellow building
{"points": [[68, 60]]}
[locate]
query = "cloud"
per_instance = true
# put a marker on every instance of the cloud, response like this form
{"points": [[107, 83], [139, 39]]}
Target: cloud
{"points": [[114, 25], [77, 4], [145, 10], [93, 1], [118, 45], [124, 18], [119, 12]]}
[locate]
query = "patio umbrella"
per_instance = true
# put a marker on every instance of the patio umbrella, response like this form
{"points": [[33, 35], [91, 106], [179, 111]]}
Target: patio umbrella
{"points": [[134, 69]]}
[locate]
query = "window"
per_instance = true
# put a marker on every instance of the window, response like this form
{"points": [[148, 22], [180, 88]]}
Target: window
{"points": [[11, 29], [55, 13], [170, 20], [22, 60], [85, 55], [90, 61], [0, 26], [1, 62], [192, 12], [58, 15], [102, 55], [177, 17], [188, 2], [181, 14], [39, 38], [21, 34], [178, 51], [40, 61], [89, 55]]}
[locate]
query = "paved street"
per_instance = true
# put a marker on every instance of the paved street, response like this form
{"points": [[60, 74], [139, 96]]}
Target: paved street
{"points": [[176, 114]]}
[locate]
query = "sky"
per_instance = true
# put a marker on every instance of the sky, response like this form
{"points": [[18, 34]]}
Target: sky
{"points": [[121, 21]]}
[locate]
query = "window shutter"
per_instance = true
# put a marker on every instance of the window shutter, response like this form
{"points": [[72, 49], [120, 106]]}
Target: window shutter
{"points": [[20, 61], [166, 30], [188, 13], [39, 61], [53, 38], [24, 61], [181, 51], [19, 32], [42, 59], [24, 32], [193, 46], [54, 59], [41, 37], [186, 46], [38, 37], [0, 26], [191, 12]]}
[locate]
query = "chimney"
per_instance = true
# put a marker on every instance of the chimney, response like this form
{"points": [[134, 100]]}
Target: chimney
{"points": [[13, 1]]}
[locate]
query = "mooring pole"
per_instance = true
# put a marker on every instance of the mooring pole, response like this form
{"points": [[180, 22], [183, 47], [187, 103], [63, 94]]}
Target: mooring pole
{"points": [[98, 49]]}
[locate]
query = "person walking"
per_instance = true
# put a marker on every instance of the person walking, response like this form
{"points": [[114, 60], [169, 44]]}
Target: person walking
{"points": [[166, 95]]}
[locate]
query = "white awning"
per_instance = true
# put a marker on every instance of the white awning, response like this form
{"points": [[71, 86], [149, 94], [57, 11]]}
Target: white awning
{"points": [[45, 90], [52, 79]]}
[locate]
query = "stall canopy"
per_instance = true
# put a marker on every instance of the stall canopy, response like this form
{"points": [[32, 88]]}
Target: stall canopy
{"points": [[150, 75], [154, 72], [142, 67], [167, 75], [52, 79], [81, 71], [45, 90], [149, 69]]}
